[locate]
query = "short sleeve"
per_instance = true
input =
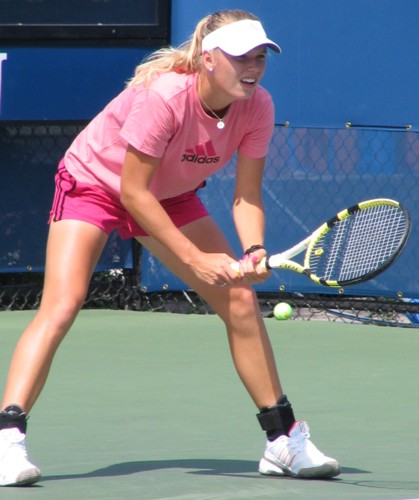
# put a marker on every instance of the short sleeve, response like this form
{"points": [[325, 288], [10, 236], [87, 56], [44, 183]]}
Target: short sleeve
{"points": [[255, 142], [149, 125]]}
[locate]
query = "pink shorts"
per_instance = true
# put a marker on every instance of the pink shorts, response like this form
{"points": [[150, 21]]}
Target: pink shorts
{"points": [[78, 201]]}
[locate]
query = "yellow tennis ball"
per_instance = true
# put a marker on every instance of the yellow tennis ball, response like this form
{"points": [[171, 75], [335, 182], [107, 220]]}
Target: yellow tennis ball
{"points": [[282, 311]]}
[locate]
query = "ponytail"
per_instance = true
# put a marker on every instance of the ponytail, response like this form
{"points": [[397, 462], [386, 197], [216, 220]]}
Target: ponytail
{"points": [[187, 57]]}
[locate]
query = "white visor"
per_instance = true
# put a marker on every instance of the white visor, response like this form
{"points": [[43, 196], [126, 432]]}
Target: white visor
{"points": [[238, 38]]}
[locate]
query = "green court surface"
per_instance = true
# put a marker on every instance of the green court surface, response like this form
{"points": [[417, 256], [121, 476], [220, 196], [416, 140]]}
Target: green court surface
{"points": [[148, 406]]}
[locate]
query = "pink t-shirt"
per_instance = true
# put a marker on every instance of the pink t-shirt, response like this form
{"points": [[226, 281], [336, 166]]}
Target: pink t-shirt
{"points": [[166, 121]]}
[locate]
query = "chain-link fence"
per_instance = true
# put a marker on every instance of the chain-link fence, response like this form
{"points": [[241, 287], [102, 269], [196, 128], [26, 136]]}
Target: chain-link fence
{"points": [[310, 174]]}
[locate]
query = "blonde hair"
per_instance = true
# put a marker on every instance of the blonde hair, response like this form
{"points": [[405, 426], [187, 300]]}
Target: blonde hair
{"points": [[187, 57]]}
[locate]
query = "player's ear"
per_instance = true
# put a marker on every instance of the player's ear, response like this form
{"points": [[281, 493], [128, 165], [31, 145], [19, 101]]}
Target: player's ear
{"points": [[208, 60]]}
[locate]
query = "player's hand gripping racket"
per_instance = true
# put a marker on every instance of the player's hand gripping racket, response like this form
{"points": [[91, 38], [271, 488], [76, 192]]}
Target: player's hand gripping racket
{"points": [[353, 246]]}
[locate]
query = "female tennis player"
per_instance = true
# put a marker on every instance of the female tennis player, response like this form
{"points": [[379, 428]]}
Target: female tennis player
{"points": [[137, 168]]}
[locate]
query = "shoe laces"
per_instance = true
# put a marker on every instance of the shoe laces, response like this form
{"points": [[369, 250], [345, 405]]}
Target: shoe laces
{"points": [[299, 436], [15, 449], [14, 437]]}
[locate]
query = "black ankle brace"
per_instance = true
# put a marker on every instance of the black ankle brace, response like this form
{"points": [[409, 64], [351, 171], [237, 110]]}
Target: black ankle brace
{"points": [[13, 416], [277, 420]]}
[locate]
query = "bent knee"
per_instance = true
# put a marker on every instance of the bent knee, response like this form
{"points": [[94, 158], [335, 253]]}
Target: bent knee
{"points": [[243, 305], [60, 314]]}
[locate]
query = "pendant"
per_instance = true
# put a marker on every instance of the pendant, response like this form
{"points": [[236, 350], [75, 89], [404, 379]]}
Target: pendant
{"points": [[220, 125]]}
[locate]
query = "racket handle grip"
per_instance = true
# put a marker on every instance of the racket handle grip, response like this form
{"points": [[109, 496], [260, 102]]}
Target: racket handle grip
{"points": [[236, 266]]}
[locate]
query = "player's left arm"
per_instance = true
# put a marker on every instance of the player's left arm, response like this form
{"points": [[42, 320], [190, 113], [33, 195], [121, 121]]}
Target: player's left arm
{"points": [[249, 214]]}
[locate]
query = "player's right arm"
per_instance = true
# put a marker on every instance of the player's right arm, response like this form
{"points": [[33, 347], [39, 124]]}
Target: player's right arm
{"points": [[137, 173]]}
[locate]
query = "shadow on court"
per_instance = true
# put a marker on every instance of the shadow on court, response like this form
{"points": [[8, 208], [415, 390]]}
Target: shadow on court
{"points": [[201, 466], [244, 469], [240, 468]]}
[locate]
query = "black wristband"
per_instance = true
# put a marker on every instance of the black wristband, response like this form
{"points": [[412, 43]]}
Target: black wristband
{"points": [[253, 248]]}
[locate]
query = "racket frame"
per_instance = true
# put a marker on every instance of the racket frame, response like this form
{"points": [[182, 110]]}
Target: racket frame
{"points": [[282, 260]]}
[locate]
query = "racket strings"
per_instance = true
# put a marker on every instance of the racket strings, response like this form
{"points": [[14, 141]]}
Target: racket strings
{"points": [[359, 244]]}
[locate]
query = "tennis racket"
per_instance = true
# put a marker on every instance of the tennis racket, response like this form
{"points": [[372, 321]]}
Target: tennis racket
{"points": [[355, 245]]}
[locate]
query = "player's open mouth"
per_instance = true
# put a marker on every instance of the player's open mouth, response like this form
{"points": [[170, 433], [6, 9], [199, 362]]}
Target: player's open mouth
{"points": [[248, 81]]}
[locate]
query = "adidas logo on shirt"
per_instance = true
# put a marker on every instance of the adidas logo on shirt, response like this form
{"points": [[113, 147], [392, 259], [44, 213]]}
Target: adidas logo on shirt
{"points": [[202, 153]]}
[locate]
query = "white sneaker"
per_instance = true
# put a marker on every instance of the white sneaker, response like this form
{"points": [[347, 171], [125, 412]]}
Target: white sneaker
{"points": [[295, 455], [15, 469]]}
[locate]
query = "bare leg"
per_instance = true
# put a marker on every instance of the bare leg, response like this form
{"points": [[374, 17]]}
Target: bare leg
{"points": [[237, 306], [252, 354], [72, 253]]}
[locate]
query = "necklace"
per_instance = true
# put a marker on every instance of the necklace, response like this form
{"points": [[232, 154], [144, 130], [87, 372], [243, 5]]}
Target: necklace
{"points": [[220, 124]]}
